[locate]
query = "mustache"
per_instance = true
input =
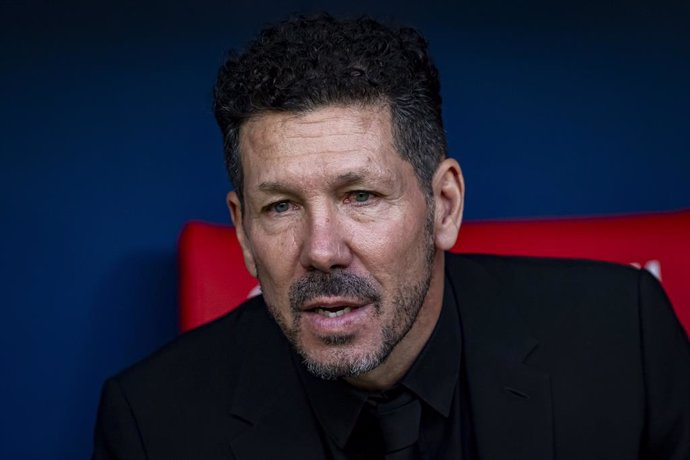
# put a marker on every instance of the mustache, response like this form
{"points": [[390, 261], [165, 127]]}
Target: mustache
{"points": [[334, 284]]}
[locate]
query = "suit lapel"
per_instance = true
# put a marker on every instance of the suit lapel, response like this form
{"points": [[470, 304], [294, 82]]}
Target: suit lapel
{"points": [[510, 402], [270, 402]]}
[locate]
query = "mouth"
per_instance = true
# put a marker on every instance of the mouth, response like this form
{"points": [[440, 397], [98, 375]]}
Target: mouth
{"points": [[332, 307], [336, 315], [333, 312]]}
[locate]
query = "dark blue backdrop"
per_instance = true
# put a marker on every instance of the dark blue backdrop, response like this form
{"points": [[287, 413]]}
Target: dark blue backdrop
{"points": [[108, 146]]}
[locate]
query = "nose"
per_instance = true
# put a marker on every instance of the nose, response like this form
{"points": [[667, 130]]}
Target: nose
{"points": [[325, 245]]}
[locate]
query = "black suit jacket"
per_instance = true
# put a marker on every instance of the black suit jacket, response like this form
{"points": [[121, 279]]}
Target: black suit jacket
{"points": [[565, 360]]}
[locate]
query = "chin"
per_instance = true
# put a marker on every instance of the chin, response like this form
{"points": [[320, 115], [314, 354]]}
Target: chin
{"points": [[339, 357]]}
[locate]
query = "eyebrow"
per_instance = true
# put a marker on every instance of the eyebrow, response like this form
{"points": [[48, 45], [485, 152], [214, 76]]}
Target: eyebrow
{"points": [[343, 180], [354, 178], [350, 178], [274, 187]]}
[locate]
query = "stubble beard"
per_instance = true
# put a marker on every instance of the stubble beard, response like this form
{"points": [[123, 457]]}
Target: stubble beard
{"points": [[342, 361]]}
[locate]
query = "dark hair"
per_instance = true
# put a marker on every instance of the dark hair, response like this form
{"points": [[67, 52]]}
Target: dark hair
{"points": [[309, 62]]}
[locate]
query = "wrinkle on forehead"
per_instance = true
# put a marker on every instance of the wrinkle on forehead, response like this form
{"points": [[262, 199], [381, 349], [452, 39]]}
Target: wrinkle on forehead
{"points": [[264, 130], [350, 178], [324, 149]]}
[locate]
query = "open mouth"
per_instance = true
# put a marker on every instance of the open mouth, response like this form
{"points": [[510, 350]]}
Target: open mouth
{"points": [[327, 316], [333, 312]]}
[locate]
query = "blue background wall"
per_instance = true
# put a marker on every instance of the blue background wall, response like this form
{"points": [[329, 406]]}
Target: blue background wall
{"points": [[108, 146]]}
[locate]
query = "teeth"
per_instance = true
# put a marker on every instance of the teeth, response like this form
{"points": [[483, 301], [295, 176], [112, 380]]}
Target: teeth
{"points": [[333, 314]]}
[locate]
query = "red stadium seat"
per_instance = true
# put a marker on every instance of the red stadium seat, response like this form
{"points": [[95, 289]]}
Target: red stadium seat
{"points": [[213, 279]]}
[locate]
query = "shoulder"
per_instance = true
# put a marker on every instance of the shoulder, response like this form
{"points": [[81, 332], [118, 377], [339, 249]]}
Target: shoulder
{"points": [[551, 276], [525, 268], [183, 400], [557, 294], [205, 357]]}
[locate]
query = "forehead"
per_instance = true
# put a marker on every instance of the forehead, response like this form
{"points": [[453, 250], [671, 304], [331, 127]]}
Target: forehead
{"points": [[331, 136]]}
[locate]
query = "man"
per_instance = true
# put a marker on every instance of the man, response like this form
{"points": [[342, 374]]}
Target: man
{"points": [[370, 342]]}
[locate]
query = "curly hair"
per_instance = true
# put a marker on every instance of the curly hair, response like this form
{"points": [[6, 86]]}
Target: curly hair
{"points": [[308, 62]]}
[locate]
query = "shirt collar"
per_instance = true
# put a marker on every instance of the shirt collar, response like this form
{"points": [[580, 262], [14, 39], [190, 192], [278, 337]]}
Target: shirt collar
{"points": [[336, 404], [432, 378]]}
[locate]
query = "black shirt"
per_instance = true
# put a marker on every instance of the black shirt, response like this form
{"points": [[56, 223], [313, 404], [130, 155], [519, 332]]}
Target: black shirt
{"points": [[436, 378]]}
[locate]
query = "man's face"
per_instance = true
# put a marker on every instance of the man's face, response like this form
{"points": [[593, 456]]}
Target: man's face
{"points": [[338, 231]]}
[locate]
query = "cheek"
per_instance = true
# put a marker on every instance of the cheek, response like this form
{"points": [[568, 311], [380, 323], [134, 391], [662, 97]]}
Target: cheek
{"points": [[395, 250], [275, 258]]}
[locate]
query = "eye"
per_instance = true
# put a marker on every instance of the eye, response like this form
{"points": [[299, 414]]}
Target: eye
{"points": [[361, 196], [280, 207]]}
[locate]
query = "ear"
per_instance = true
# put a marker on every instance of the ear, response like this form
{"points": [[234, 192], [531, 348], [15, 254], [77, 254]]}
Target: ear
{"points": [[235, 207], [449, 195]]}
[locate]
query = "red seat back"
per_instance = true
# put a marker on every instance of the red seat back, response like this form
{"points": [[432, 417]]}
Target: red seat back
{"points": [[213, 279]]}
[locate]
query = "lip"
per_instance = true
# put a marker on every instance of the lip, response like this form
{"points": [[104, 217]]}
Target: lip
{"points": [[348, 323], [331, 302]]}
